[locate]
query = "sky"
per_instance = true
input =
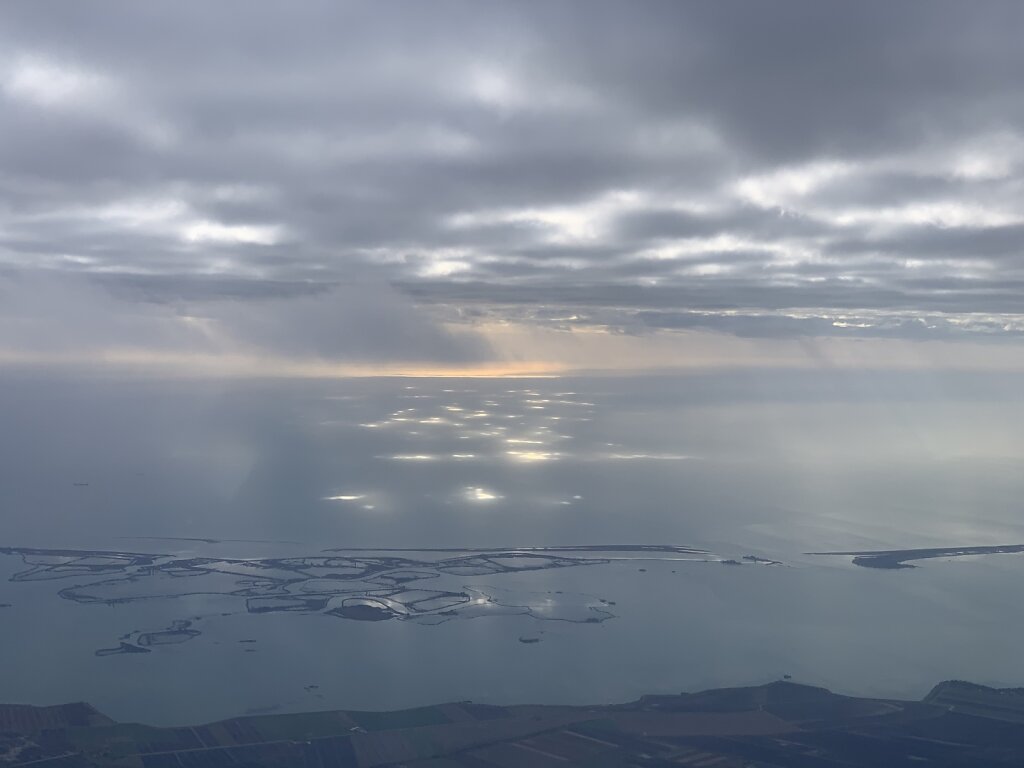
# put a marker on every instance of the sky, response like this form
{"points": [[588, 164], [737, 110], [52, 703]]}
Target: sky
{"points": [[335, 188]]}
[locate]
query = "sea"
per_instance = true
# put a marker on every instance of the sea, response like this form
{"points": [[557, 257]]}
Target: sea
{"points": [[181, 550]]}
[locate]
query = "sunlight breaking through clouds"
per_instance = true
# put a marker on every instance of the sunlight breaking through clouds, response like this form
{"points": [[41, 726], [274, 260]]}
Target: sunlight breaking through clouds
{"points": [[47, 83], [212, 231], [518, 177]]}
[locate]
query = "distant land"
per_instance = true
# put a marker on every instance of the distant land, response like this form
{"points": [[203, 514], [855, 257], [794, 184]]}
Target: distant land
{"points": [[774, 725], [899, 558]]}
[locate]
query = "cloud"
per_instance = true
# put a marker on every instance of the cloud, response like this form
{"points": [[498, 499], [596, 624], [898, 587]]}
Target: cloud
{"points": [[53, 315], [692, 157], [48, 84], [60, 318]]}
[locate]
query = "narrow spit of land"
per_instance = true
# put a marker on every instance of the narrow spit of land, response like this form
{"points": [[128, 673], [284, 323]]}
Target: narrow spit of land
{"points": [[900, 558]]}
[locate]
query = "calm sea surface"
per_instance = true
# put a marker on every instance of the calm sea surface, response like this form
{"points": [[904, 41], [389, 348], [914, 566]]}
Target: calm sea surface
{"points": [[769, 465]]}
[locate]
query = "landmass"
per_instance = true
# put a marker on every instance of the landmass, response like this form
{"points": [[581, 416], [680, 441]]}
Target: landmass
{"points": [[768, 726], [899, 558]]}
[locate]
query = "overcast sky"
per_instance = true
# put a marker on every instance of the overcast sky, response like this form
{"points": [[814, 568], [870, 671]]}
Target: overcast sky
{"points": [[394, 180]]}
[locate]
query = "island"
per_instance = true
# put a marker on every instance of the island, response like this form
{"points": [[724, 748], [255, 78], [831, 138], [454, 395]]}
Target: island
{"points": [[353, 584]]}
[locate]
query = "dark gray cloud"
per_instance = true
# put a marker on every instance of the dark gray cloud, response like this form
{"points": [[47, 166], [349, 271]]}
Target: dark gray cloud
{"points": [[668, 157]]}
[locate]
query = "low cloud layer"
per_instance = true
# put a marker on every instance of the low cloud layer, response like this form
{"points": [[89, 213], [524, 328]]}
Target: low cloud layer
{"points": [[52, 317], [779, 169]]}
